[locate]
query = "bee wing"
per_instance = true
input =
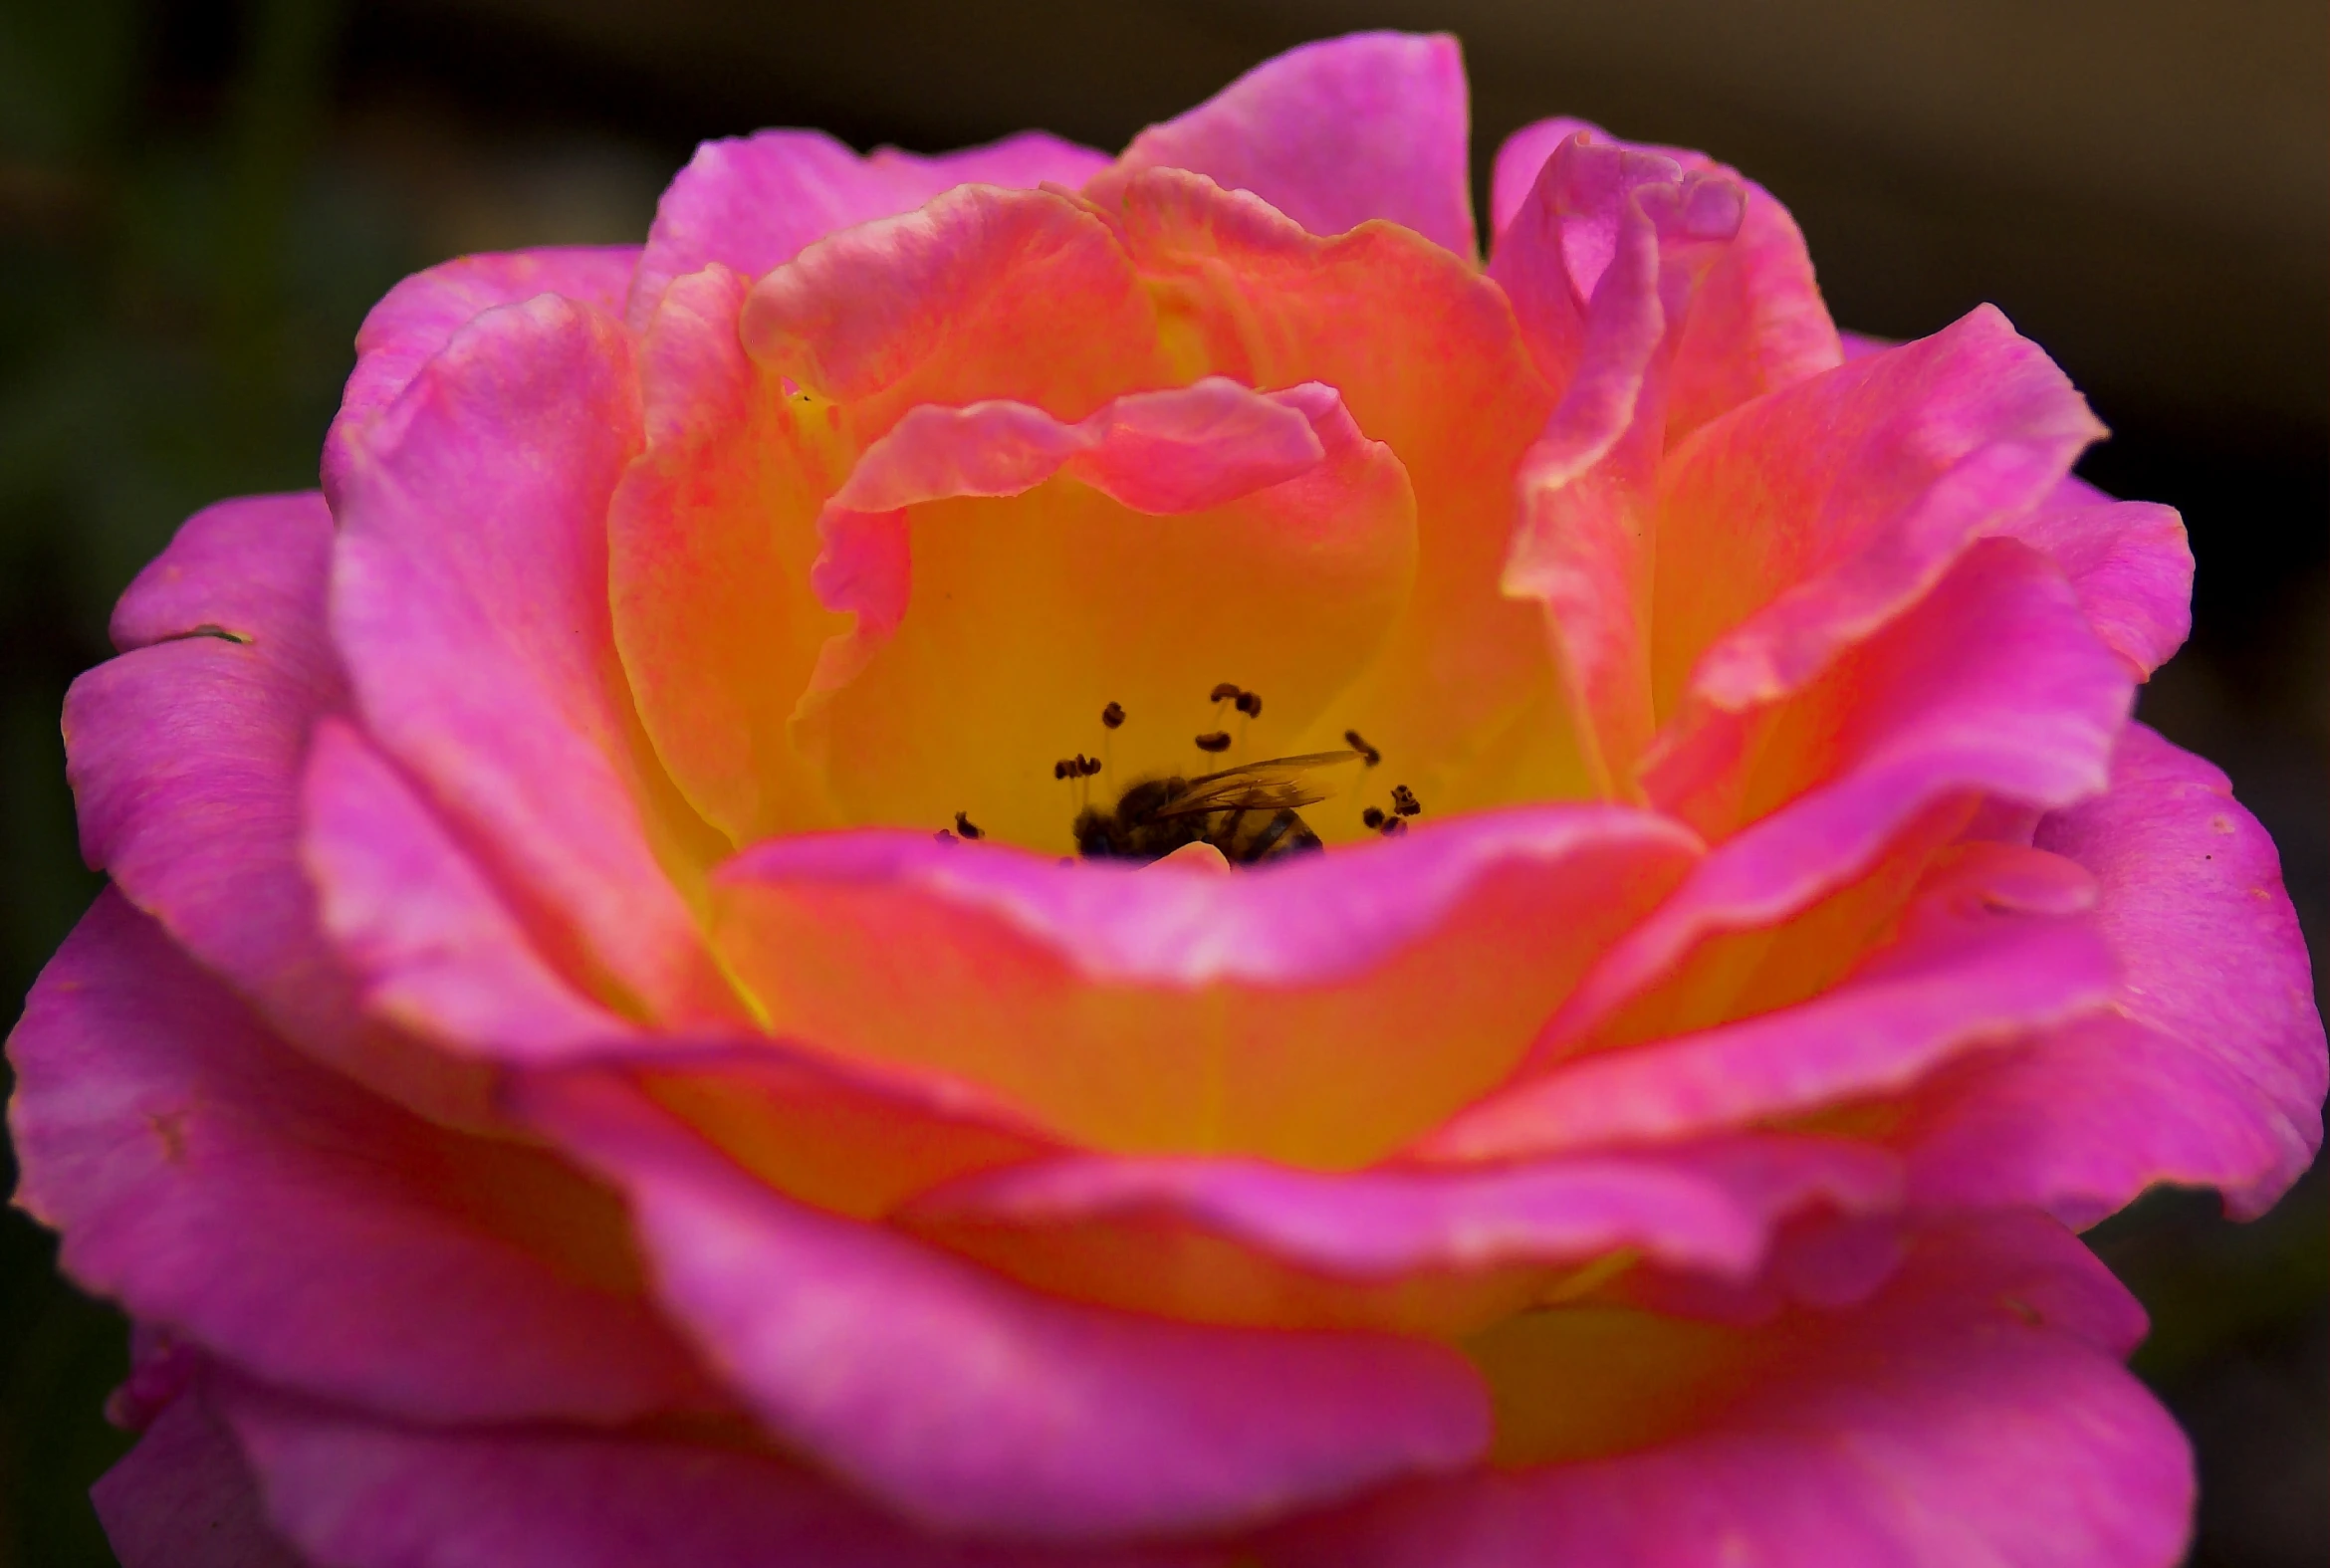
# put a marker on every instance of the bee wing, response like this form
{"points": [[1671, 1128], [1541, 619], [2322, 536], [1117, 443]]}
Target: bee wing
{"points": [[1271, 784]]}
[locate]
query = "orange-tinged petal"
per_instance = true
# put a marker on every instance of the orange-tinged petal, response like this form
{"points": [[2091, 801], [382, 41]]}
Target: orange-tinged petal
{"points": [[711, 535], [1318, 1012], [1426, 353]]}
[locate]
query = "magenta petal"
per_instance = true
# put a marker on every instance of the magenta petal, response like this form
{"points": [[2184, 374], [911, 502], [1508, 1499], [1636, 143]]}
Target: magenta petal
{"points": [[184, 757], [470, 600], [1990, 685], [421, 316], [1369, 125], [432, 944], [751, 202], [972, 1405], [1963, 975], [1706, 1206], [2128, 563], [214, 1181], [185, 1498], [358, 1494], [2212, 1074], [1974, 1412]]}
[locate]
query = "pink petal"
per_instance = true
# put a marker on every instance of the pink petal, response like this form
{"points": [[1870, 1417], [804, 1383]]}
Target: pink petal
{"points": [[214, 1181], [751, 203], [1974, 1412], [433, 945], [2213, 1072], [1204, 1238], [1757, 322], [1991, 685], [185, 1498], [421, 316], [184, 756], [971, 1405], [358, 1494], [1334, 133], [1603, 259], [2128, 563], [1966, 973], [1093, 995], [1812, 515], [470, 601]]}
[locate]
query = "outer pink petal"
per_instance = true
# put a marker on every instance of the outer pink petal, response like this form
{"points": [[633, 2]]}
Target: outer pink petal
{"points": [[1801, 521], [753, 202], [2128, 560], [184, 756], [363, 1494], [215, 1181], [1368, 125], [421, 316], [1706, 1206], [1991, 686], [2213, 1072], [1966, 971], [1974, 1412], [971, 1405], [434, 947], [470, 601], [185, 1498], [1758, 321]]}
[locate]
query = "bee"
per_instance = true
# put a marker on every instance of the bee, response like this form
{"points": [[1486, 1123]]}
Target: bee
{"points": [[1249, 812]]}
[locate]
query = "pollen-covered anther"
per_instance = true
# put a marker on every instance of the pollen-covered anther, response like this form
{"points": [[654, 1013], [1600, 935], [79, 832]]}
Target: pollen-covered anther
{"points": [[1112, 716], [1368, 753], [1404, 802], [1212, 741]]}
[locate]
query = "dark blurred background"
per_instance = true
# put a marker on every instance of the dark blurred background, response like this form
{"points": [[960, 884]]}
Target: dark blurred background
{"points": [[199, 198]]}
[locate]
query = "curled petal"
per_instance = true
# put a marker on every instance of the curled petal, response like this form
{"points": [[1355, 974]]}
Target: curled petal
{"points": [[1275, 1012], [1965, 974], [1369, 125], [215, 1182], [971, 1405], [184, 1498], [2128, 563]]}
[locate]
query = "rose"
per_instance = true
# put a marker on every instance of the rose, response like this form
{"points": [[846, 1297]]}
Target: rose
{"points": [[548, 1097]]}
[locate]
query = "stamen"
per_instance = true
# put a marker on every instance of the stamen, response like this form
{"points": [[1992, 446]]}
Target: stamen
{"points": [[1112, 716], [1372, 817], [1395, 827], [943, 836], [1213, 741], [1368, 753], [964, 827], [1226, 691], [1250, 704], [1404, 802]]}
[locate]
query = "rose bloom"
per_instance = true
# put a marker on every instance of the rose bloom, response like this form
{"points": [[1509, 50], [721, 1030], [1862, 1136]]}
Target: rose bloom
{"points": [[1021, 858]]}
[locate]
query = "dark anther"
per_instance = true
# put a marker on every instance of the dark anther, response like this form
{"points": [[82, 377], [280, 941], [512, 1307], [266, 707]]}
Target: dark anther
{"points": [[1112, 714], [1368, 753], [1062, 767], [943, 836], [1226, 692], [1404, 800], [963, 826], [1088, 766], [1372, 817], [1249, 705], [1218, 740], [1395, 827]]}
